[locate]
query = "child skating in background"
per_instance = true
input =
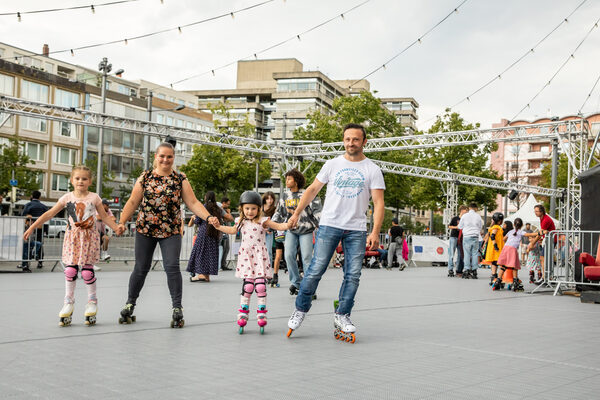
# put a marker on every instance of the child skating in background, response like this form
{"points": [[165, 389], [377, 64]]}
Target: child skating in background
{"points": [[81, 246], [253, 264], [509, 257], [534, 263], [494, 242]]}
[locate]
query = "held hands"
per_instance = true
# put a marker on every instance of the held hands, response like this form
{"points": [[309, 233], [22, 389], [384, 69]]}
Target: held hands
{"points": [[292, 221], [214, 221], [120, 229]]}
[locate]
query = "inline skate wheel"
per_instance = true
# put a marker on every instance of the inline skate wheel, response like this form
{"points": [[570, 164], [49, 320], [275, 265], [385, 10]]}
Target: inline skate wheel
{"points": [[241, 330], [289, 333], [262, 330], [89, 321]]}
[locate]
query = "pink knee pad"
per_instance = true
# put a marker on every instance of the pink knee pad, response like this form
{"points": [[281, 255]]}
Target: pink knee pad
{"points": [[260, 286], [247, 288], [88, 275], [71, 272]]}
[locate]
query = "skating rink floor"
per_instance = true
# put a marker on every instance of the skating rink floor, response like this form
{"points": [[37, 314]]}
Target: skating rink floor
{"points": [[421, 335]]}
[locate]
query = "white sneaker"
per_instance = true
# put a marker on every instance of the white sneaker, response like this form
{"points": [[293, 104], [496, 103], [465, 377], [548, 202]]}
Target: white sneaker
{"points": [[106, 257], [296, 319], [97, 268], [343, 323]]}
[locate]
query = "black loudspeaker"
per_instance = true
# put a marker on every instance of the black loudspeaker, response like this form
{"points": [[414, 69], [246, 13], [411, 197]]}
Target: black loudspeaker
{"points": [[513, 194], [590, 197]]}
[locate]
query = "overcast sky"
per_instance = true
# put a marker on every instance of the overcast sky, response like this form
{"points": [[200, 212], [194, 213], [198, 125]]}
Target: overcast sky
{"points": [[468, 49]]}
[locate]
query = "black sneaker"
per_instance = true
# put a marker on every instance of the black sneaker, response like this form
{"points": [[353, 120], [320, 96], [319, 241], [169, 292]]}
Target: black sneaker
{"points": [[26, 269], [293, 290]]}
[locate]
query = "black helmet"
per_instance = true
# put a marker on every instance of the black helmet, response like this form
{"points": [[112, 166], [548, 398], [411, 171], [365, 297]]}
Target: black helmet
{"points": [[497, 217], [250, 197]]}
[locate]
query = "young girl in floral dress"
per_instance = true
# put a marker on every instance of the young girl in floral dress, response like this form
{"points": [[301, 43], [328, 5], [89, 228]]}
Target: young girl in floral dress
{"points": [[253, 264], [81, 247]]}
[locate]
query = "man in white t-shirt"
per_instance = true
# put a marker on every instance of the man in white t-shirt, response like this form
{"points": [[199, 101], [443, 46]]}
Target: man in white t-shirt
{"points": [[352, 179]]}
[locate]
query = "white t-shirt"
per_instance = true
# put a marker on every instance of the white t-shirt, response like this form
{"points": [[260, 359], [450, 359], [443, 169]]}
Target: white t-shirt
{"points": [[349, 186]]}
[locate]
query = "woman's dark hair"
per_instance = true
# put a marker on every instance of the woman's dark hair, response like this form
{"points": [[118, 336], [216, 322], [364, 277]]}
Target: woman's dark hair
{"points": [[518, 225], [297, 176], [271, 210], [509, 226], [210, 202]]}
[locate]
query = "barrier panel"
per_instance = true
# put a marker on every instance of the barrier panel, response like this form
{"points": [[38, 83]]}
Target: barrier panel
{"points": [[561, 252], [429, 249]]}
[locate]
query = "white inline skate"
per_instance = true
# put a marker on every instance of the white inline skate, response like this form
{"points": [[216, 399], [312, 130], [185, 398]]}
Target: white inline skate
{"points": [[295, 321], [344, 328], [65, 314], [91, 308]]}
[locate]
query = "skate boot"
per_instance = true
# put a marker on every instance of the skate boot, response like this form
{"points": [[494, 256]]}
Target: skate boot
{"points": [[518, 285], [127, 316], [344, 328], [261, 315], [474, 274], [90, 313], [293, 290], [243, 317], [466, 274], [493, 279], [274, 281], [295, 321], [450, 273], [65, 314], [497, 284], [531, 276], [177, 320]]}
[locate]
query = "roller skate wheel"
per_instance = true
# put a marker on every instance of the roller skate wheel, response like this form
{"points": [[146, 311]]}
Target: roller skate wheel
{"points": [[289, 332], [352, 338], [262, 330], [336, 335], [241, 330]]}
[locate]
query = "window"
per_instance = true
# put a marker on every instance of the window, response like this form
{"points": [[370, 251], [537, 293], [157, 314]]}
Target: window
{"points": [[65, 156], [35, 151], [60, 183], [7, 84], [595, 128], [179, 123], [161, 96], [117, 139], [115, 163], [139, 143], [160, 118], [190, 105], [180, 102], [34, 124], [34, 91], [5, 120], [92, 135], [40, 180], [66, 99], [189, 125], [127, 140], [49, 67], [126, 165], [68, 130], [169, 120]]}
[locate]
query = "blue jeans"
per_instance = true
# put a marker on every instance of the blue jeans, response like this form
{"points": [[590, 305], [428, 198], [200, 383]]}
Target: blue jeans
{"points": [[354, 245], [291, 251], [451, 250], [471, 252], [269, 242], [32, 246]]}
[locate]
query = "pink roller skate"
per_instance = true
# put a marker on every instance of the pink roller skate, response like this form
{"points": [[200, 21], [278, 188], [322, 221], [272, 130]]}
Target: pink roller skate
{"points": [[262, 317], [243, 317]]}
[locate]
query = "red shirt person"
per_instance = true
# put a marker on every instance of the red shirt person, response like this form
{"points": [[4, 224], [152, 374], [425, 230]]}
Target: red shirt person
{"points": [[546, 226]]}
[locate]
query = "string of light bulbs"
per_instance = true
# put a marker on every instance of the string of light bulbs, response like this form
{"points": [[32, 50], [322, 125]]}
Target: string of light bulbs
{"points": [[569, 58], [92, 8], [126, 41], [589, 94], [514, 63], [255, 54], [417, 41]]}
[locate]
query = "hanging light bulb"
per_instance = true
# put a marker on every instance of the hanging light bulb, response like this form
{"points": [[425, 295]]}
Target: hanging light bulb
{"points": [[93, 9], [19, 16], [298, 36], [342, 15], [179, 29], [231, 13], [213, 72], [72, 53], [126, 42]]}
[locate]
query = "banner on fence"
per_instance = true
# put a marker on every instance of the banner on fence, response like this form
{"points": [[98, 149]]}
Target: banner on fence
{"points": [[429, 249], [11, 238]]}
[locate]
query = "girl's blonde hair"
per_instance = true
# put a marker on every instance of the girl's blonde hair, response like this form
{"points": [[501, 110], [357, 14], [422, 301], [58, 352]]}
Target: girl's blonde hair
{"points": [[163, 144], [82, 168], [243, 216]]}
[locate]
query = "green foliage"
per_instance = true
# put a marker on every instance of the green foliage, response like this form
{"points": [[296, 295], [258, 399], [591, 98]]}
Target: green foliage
{"points": [[469, 160], [225, 171], [12, 159], [562, 177], [92, 163]]}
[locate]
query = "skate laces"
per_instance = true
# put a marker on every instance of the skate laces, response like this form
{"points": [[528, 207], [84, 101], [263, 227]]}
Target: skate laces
{"points": [[298, 315], [345, 319]]}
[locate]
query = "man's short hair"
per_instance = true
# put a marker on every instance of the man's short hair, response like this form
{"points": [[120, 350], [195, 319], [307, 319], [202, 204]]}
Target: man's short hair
{"points": [[395, 221], [356, 126], [473, 205], [36, 194], [297, 176], [528, 224], [105, 202], [540, 207], [463, 207], [224, 199]]}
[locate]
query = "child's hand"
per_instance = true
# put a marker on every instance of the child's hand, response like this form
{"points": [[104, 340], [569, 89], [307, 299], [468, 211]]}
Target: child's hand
{"points": [[26, 235], [264, 224], [120, 229]]}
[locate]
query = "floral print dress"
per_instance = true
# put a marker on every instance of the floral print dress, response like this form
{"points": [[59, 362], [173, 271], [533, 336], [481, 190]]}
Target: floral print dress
{"points": [[82, 240], [160, 213], [253, 257]]}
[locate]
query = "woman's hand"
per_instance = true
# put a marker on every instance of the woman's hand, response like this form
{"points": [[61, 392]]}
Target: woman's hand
{"points": [[214, 221]]}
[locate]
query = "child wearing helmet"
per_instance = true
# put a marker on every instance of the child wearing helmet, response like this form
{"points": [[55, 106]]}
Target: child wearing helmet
{"points": [[494, 242], [253, 263]]}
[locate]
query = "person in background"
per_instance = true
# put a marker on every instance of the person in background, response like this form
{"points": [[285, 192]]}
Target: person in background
{"points": [[453, 243], [525, 242], [35, 208], [471, 224], [225, 205]]}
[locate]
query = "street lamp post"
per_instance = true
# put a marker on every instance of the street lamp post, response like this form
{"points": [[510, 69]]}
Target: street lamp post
{"points": [[105, 67]]}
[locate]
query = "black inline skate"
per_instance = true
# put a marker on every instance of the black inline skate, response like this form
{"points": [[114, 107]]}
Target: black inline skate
{"points": [[293, 290], [127, 316], [493, 279], [450, 273], [531, 276], [517, 285], [177, 321], [274, 281], [466, 274]]}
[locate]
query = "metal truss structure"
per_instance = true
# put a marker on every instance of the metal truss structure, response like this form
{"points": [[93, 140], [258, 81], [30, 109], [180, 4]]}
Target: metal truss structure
{"points": [[572, 137]]}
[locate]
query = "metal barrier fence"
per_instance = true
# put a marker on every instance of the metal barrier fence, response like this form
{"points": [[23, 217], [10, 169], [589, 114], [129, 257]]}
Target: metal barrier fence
{"points": [[561, 252]]}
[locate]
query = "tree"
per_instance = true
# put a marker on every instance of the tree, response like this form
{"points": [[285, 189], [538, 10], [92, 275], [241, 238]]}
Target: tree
{"points": [[92, 163], [225, 171], [12, 158], [468, 160], [367, 110]]}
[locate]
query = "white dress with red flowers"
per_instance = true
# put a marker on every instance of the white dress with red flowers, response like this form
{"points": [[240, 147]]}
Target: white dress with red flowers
{"points": [[253, 257]]}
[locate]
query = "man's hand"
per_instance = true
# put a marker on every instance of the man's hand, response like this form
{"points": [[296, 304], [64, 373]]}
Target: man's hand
{"points": [[373, 241], [293, 221]]}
